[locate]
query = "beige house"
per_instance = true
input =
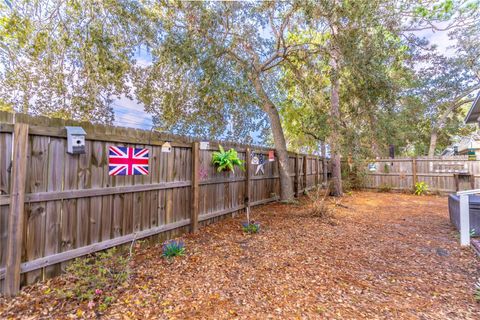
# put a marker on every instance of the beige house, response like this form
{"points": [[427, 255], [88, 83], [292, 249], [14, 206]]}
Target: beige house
{"points": [[463, 145]]}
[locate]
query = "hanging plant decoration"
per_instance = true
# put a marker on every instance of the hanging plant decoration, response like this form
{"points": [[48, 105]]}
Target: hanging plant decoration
{"points": [[226, 160]]}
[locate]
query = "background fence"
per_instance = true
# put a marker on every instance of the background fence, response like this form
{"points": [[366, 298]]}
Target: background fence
{"points": [[442, 174], [72, 207]]}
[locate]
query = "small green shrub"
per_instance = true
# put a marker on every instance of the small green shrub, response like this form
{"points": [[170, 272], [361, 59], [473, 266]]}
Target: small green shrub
{"points": [[293, 202], [421, 188], [385, 188], [173, 248], [95, 278], [252, 227], [226, 160]]}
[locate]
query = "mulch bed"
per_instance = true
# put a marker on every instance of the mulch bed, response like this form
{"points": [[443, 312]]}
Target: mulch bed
{"points": [[382, 256]]}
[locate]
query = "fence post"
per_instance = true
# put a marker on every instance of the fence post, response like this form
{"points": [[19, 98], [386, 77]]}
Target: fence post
{"points": [[317, 173], [247, 173], [414, 172], [195, 186], [305, 161], [297, 191], [464, 220], [16, 212], [247, 178]]}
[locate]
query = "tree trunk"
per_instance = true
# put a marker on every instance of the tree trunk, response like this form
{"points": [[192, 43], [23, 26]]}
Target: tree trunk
{"points": [[334, 141], [374, 142], [286, 187], [375, 149], [433, 142], [324, 164]]}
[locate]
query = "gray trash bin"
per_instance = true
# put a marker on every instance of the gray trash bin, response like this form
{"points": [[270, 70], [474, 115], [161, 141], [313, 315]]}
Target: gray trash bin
{"points": [[454, 211]]}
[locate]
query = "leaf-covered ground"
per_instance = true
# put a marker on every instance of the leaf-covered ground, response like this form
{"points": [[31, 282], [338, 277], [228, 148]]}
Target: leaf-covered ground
{"points": [[383, 256]]}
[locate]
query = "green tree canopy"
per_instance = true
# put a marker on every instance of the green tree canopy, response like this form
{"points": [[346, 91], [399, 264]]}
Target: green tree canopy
{"points": [[68, 59]]}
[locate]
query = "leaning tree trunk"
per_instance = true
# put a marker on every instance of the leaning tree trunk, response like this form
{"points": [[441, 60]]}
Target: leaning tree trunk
{"points": [[334, 138], [433, 142], [324, 164], [286, 187]]}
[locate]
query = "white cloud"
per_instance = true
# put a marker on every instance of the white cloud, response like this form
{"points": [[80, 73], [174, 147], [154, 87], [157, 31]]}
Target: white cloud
{"points": [[440, 39], [131, 114]]}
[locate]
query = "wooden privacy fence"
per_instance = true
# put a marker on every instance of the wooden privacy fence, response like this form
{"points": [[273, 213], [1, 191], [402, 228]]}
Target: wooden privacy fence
{"points": [[55, 206], [442, 174]]}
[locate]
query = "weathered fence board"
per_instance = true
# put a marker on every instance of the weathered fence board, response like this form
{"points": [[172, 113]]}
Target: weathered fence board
{"points": [[437, 173], [16, 212], [5, 186], [74, 207], [53, 209], [37, 174]]}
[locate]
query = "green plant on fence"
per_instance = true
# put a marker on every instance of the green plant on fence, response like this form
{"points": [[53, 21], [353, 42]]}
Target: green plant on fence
{"points": [[173, 249], [95, 278], [226, 160], [421, 188]]}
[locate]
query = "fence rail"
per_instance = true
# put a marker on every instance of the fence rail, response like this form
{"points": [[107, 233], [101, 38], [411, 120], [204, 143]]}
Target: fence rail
{"points": [[71, 206], [443, 174]]}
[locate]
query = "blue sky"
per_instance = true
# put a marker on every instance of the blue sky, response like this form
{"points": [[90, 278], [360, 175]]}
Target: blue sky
{"points": [[130, 113]]}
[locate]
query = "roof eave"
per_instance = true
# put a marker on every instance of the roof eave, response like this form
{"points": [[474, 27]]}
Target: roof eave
{"points": [[473, 111]]}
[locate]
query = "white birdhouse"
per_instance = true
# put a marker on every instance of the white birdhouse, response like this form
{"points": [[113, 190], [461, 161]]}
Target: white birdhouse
{"points": [[166, 147], [75, 140]]}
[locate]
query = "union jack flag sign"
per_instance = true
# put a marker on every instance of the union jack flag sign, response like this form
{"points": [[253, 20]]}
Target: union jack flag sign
{"points": [[125, 161]]}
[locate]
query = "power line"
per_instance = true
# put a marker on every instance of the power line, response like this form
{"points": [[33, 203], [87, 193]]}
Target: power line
{"points": [[133, 122], [144, 123], [121, 111], [123, 107]]}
